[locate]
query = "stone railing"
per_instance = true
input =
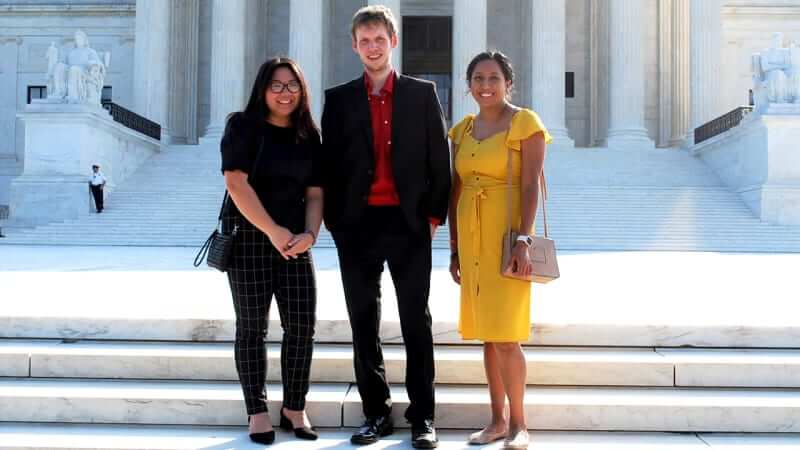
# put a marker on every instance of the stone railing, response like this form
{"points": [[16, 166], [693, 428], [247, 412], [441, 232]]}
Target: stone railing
{"points": [[62, 142], [758, 160], [721, 124], [133, 121]]}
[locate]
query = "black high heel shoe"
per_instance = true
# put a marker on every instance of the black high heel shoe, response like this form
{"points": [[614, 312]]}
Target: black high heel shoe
{"points": [[301, 433], [266, 438]]}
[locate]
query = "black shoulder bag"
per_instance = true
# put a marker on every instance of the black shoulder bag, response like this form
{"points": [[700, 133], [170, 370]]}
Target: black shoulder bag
{"points": [[219, 246]]}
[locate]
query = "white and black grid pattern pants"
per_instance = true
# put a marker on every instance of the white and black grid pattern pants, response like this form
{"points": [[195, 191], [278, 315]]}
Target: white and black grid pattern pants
{"points": [[257, 273]]}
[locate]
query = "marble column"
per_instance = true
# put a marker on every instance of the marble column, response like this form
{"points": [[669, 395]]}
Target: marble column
{"points": [[396, 7], [706, 61], [152, 63], [228, 64], [182, 108], [548, 43], [681, 63], [306, 33], [469, 39], [9, 73], [626, 126]]}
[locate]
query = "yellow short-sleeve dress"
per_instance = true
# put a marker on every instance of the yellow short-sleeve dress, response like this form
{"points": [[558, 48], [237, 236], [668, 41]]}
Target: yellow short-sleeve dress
{"points": [[493, 308]]}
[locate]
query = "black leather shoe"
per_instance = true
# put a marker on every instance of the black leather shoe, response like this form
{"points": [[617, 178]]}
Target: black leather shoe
{"points": [[266, 438], [302, 433], [423, 435], [373, 429]]}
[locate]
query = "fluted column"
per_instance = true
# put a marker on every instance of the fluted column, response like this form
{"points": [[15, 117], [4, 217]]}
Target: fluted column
{"points": [[469, 39], [152, 63], [305, 46], [228, 65], [626, 127], [548, 43], [681, 63], [706, 51], [396, 7], [182, 94]]}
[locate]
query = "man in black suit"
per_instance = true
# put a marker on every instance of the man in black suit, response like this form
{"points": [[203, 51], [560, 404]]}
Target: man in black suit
{"points": [[386, 192]]}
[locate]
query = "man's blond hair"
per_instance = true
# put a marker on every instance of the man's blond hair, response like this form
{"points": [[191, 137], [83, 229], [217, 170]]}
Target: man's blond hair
{"points": [[372, 15]]}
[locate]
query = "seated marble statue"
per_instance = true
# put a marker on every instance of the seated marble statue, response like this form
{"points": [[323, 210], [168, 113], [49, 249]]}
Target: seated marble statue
{"points": [[79, 77], [775, 74]]}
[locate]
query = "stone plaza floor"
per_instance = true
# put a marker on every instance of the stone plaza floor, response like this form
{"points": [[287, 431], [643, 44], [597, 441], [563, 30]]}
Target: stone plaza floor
{"points": [[602, 298]]}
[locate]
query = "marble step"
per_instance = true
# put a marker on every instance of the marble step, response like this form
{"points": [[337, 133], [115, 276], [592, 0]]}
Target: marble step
{"points": [[455, 364], [152, 437], [457, 407], [332, 363]]}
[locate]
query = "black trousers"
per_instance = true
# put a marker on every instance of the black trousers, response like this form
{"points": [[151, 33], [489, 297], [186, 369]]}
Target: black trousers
{"points": [[97, 193], [258, 272], [384, 236]]}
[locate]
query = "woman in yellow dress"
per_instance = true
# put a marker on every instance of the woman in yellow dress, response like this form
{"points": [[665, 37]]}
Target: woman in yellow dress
{"points": [[495, 309]]}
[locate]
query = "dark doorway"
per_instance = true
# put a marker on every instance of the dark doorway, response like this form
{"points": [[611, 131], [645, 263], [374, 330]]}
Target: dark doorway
{"points": [[428, 53]]}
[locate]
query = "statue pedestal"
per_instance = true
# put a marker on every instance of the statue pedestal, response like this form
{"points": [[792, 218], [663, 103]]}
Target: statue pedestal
{"points": [[760, 161], [62, 141]]}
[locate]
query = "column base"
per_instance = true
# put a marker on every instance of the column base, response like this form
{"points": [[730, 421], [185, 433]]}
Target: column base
{"points": [[630, 139], [561, 139], [213, 134]]}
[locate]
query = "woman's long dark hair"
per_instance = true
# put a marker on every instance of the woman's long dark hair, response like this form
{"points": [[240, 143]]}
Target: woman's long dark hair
{"points": [[257, 108]]}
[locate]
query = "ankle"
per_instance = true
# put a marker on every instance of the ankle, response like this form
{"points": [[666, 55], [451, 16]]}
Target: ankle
{"points": [[516, 427]]}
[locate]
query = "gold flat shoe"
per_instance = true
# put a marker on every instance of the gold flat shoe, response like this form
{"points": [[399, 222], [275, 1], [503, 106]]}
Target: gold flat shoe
{"points": [[519, 440], [484, 437]]}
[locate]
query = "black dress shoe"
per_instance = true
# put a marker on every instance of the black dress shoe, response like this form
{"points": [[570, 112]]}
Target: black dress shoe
{"points": [[302, 432], [373, 429], [266, 438], [423, 435]]}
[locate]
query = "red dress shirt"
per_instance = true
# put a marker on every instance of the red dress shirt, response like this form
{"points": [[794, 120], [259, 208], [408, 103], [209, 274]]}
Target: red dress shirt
{"points": [[383, 191]]}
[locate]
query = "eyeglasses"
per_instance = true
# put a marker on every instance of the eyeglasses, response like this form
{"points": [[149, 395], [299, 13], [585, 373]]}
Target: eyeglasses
{"points": [[277, 87]]}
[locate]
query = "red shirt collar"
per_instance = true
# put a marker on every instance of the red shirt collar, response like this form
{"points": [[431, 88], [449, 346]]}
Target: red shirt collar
{"points": [[388, 86]]}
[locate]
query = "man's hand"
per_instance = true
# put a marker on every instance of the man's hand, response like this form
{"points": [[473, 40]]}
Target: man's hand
{"points": [[433, 229]]}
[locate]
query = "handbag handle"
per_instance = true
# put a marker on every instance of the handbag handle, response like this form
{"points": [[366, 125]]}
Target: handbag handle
{"points": [[542, 194]]}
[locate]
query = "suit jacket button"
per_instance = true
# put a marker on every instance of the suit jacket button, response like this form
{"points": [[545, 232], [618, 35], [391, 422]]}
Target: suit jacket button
{"points": [[369, 172]]}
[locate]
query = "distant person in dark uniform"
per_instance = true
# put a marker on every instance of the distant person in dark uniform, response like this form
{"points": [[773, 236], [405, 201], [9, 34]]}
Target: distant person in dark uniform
{"points": [[97, 184]]}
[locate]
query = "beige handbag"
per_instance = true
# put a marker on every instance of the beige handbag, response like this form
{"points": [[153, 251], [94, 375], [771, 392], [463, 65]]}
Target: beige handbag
{"points": [[543, 250]]}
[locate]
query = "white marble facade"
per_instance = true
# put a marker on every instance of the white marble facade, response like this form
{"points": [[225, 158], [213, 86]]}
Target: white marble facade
{"points": [[647, 82]]}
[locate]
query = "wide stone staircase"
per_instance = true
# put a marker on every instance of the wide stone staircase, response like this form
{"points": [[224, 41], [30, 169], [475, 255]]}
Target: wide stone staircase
{"points": [[84, 387], [599, 200]]}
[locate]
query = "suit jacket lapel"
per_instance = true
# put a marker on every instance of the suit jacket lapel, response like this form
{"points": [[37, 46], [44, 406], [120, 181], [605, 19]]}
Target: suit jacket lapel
{"points": [[400, 113], [361, 108]]}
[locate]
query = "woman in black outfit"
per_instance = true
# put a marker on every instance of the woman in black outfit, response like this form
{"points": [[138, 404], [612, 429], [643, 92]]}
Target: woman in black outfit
{"points": [[270, 155]]}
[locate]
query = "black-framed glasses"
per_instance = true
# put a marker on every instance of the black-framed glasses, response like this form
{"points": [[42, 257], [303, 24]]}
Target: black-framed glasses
{"points": [[277, 86]]}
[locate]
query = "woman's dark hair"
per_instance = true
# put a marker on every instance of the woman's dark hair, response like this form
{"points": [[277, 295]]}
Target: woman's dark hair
{"points": [[501, 60], [257, 108]]}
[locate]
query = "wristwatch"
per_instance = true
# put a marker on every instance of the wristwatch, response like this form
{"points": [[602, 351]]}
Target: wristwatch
{"points": [[526, 239]]}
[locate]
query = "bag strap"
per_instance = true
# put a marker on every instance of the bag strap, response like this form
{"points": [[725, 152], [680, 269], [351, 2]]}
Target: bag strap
{"points": [[542, 194], [201, 255]]}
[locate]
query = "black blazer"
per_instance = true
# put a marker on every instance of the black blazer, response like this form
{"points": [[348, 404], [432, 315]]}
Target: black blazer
{"points": [[420, 155]]}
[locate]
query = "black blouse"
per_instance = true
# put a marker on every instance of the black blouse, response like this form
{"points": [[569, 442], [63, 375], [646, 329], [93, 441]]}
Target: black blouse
{"points": [[279, 167]]}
